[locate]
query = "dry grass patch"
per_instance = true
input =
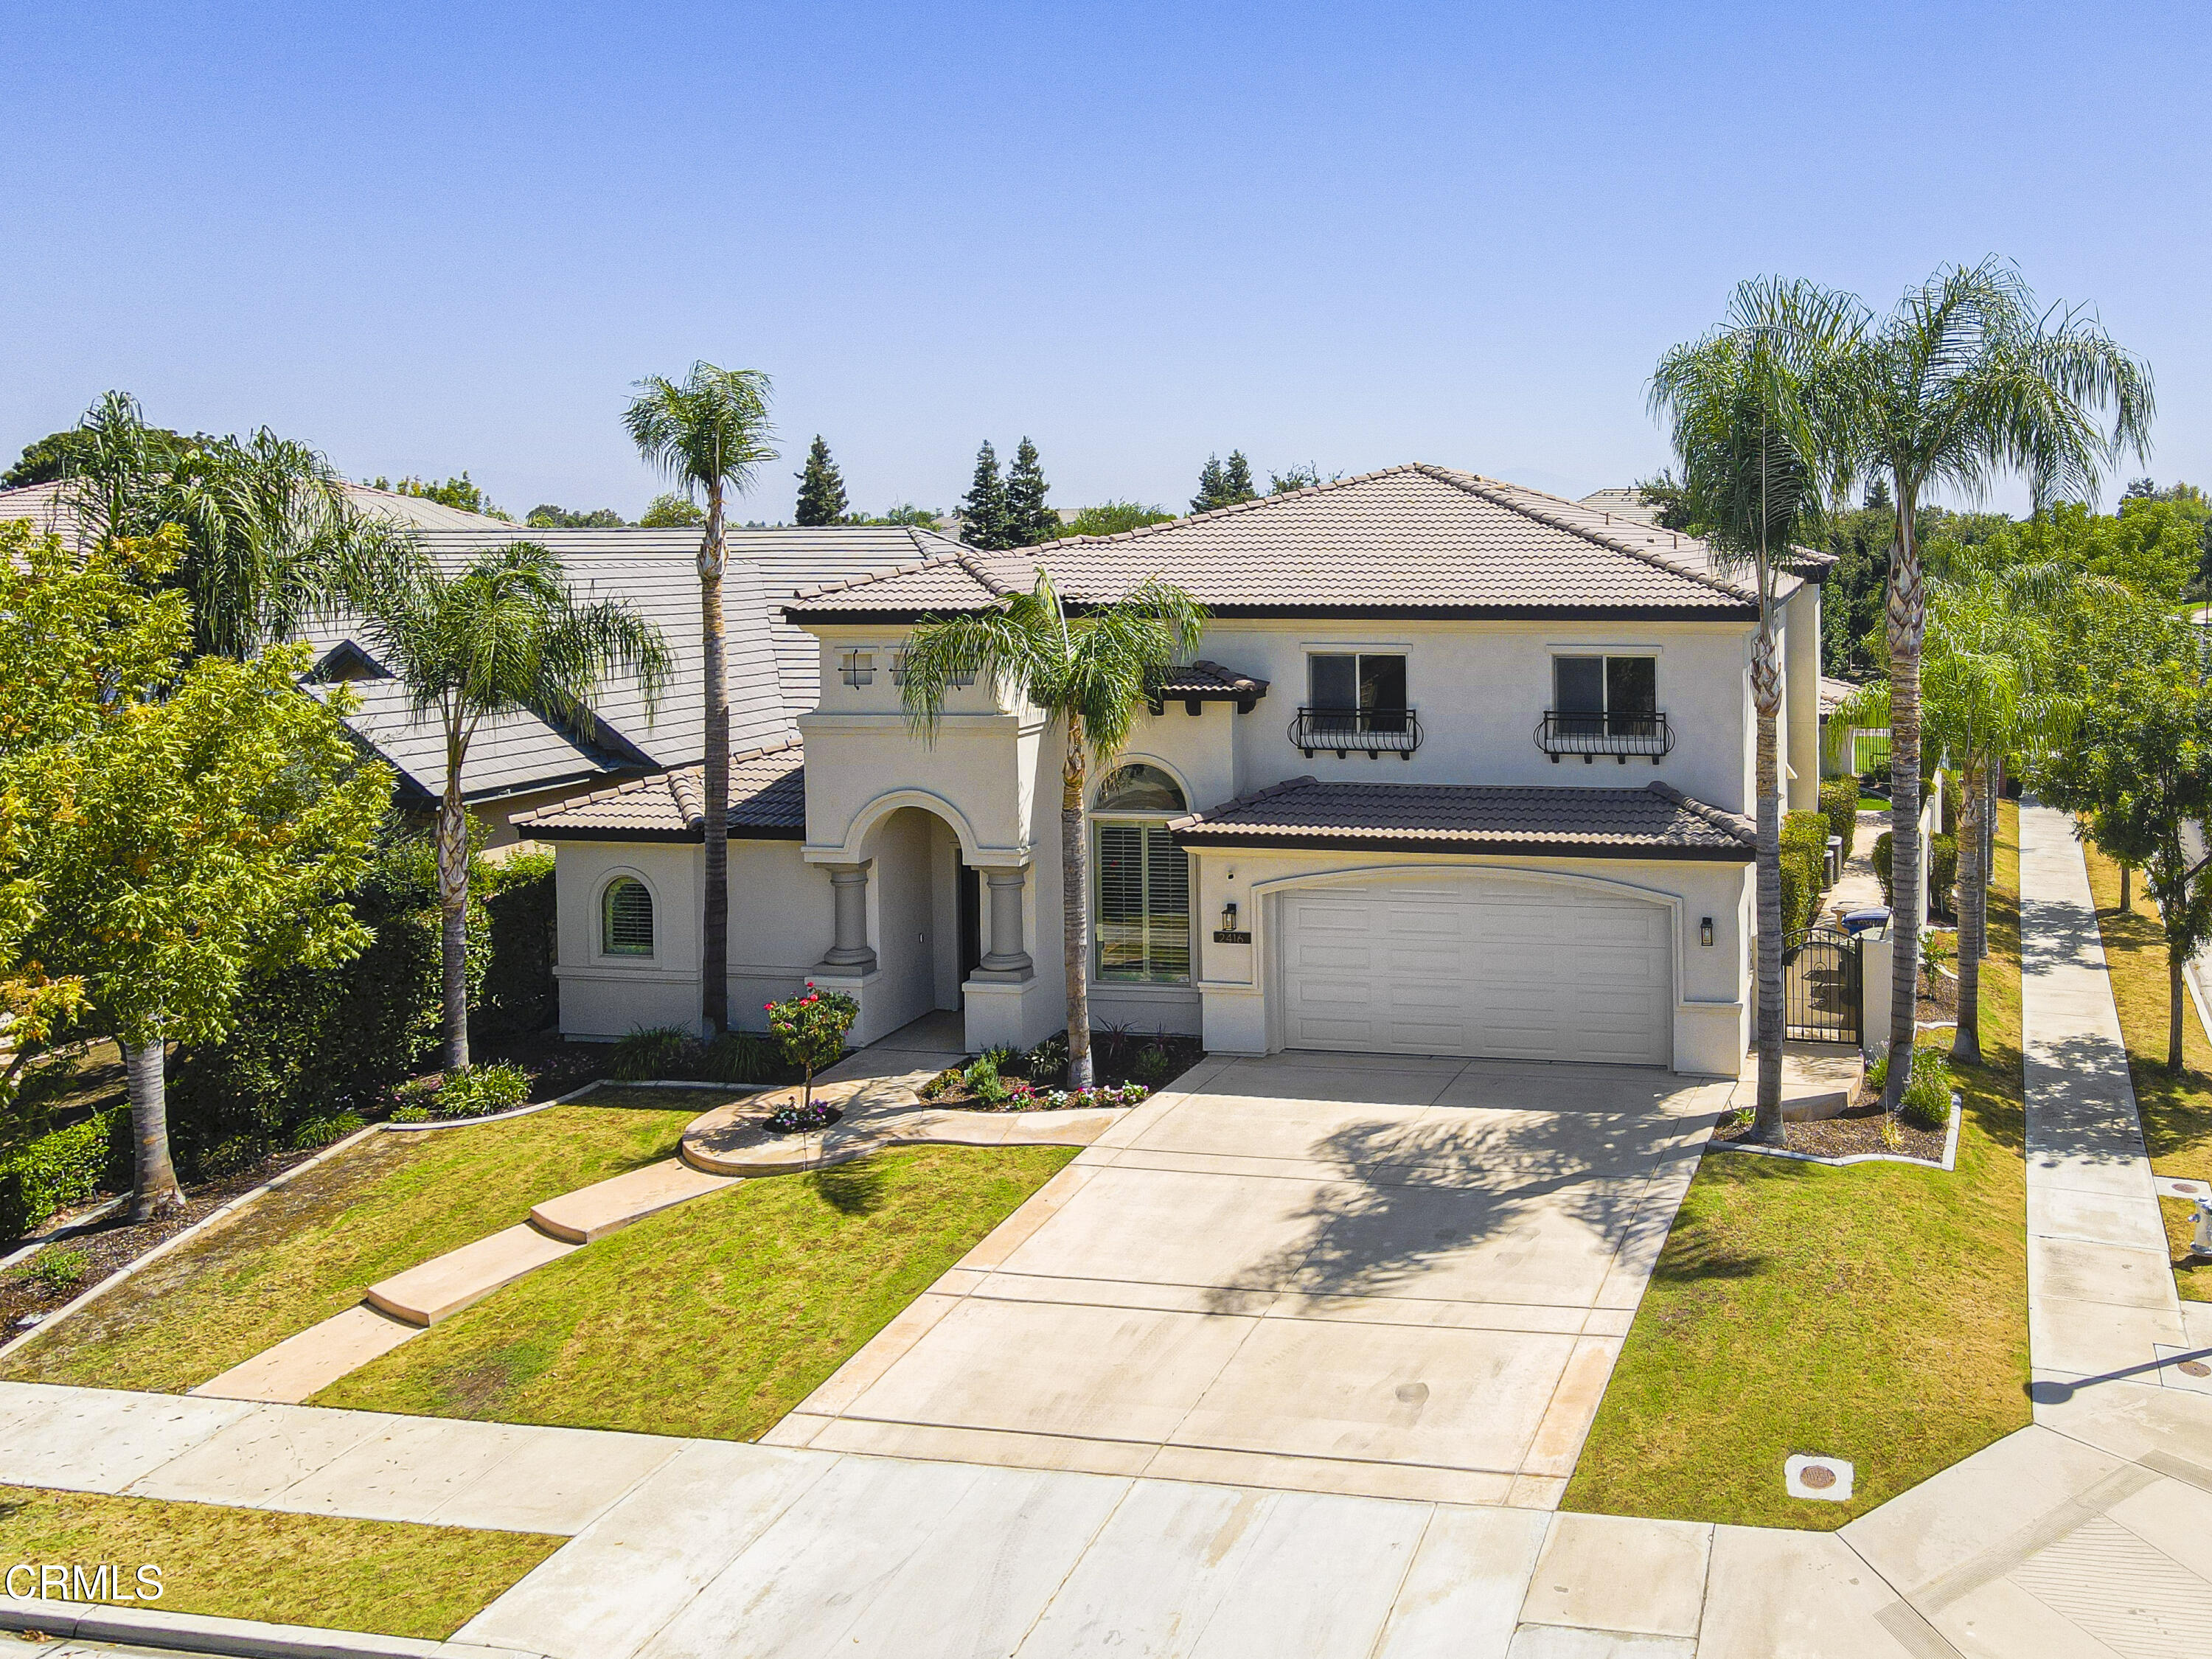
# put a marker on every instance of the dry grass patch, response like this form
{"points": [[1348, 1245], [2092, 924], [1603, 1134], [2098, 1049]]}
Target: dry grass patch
{"points": [[2176, 1110], [1877, 1312], [717, 1316], [310, 1249], [391, 1578]]}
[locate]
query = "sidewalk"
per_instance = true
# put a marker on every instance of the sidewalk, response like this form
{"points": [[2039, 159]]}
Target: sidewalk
{"points": [[2087, 1536]]}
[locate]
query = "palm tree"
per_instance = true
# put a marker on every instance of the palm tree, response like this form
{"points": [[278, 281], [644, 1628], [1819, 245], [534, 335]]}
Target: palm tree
{"points": [[1091, 670], [1988, 689], [1736, 403], [710, 434], [1965, 378], [503, 633]]}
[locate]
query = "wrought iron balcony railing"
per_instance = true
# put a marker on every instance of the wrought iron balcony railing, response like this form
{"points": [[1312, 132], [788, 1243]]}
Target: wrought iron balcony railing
{"points": [[1592, 735], [1369, 732]]}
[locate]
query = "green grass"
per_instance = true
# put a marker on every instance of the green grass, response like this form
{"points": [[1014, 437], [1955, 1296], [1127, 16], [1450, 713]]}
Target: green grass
{"points": [[1873, 804], [1877, 1312], [391, 1578], [716, 1317], [310, 1249]]}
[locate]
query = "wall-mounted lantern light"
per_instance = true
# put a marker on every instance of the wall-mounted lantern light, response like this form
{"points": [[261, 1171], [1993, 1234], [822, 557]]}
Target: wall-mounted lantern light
{"points": [[1229, 917], [1705, 932]]}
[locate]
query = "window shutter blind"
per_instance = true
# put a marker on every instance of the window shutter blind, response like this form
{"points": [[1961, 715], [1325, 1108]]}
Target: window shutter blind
{"points": [[1122, 898], [1167, 905], [629, 920]]}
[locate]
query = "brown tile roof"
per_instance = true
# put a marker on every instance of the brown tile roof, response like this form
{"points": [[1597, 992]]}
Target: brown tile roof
{"points": [[768, 802], [1414, 540], [1658, 821], [1202, 681]]}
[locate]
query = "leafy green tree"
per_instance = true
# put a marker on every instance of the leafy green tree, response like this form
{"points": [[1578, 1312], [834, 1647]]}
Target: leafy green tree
{"points": [[671, 511], [710, 434], [1307, 476], [983, 508], [55, 456], [464, 493], [1966, 377], [1030, 522], [2138, 766], [821, 489], [1113, 518], [2152, 546], [1237, 484], [905, 512], [502, 634], [1665, 493], [193, 822], [1737, 407], [1090, 670], [546, 516]]}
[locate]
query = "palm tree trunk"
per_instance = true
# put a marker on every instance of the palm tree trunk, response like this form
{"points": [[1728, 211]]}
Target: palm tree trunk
{"points": [[154, 1184], [453, 915], [715, 931], [1907, 620], [1075, 909], [1973, 914], [1766, 695]]}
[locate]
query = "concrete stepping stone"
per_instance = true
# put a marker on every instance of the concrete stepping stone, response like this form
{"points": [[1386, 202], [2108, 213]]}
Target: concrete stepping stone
{"points": [[606, 1207], [441, 1288], [305, 1365], [1818, 1080]]}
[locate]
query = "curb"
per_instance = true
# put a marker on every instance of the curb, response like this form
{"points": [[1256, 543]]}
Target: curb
{"points": [[130, 1269], [561, 1100], [69, 1229], [1950, 1149], [240, 1638]]}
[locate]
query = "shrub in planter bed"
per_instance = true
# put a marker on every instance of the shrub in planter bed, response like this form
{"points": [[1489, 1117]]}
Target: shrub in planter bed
{"points": [[472, 1091], [1805, 855], [1048, 1061], [1879, 858], [1839, 804], [670, 1054], [54, 1172], [1927, 1102], [654, 1051], [811, 1030], [1942, 873], [325, 1131], [520, 996]]}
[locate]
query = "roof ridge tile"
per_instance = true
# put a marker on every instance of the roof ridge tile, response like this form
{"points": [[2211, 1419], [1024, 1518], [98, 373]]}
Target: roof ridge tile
{"points": [[1734, 823], [1214, 512]]}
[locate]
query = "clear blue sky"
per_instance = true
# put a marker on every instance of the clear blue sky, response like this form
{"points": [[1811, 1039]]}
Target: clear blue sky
{"points": [[431, 238]]}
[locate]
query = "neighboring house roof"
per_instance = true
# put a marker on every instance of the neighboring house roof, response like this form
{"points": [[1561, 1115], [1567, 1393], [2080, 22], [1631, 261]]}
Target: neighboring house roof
{"points": [[47, 506], [773, 667], [1627, 503], [1658, 821], [768, 802], [1410, 541], [1834, 693]]}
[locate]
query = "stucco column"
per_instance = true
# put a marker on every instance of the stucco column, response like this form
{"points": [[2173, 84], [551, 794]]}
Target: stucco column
{"points": [[1005, 959], [848, 896]]}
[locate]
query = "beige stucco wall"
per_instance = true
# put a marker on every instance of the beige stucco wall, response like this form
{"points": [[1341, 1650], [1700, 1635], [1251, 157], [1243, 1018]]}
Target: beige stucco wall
{"points": [[1801, 702]]}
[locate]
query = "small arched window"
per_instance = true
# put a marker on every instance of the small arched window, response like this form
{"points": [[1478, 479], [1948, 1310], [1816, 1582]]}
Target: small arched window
{"points": [[1140, 788], [626, 919]]}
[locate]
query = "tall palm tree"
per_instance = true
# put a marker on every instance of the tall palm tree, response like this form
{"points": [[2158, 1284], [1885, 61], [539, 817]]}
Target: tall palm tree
{"points": [[502, 634], [1964, 379], [1737, 406], [1092, 671], [710, 434]]}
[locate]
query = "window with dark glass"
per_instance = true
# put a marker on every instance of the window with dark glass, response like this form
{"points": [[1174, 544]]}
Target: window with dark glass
{"points": [[1357, 693], [1143, 917], [1602, 696]]}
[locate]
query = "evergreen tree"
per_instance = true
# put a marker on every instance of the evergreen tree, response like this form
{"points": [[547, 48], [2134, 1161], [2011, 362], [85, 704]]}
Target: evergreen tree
{"points": [[983, 509], [1224, 484], [1029, 521], [821, 489], [1237, 480]]}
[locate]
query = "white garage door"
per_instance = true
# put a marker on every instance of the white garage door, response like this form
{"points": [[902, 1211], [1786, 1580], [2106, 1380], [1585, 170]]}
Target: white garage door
{"points": [[1478, 964]]}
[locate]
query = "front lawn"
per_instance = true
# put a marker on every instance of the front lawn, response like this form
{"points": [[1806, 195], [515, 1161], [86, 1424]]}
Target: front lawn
{"points": [[309, 1249], [391, 1578], [1877, 1312], [717, 1316]]}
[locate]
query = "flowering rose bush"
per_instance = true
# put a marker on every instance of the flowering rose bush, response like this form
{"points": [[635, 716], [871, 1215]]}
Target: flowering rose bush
{"points": [[811, 1030]]}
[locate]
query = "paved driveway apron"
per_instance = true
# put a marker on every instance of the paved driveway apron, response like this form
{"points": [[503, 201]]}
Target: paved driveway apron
{"points": [[1391, 1277]]}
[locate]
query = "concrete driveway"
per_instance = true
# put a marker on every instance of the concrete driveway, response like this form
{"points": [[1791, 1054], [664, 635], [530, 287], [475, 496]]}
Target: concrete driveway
{"points": [[1383, 1277]]}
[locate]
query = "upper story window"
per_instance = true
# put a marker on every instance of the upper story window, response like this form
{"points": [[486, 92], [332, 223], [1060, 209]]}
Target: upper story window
{"points": [[1605, 705], [1357, 701], [1143, 893], [857, 667], [626, 919]]}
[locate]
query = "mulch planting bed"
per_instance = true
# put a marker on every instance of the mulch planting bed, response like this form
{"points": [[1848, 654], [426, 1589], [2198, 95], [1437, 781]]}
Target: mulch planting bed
{"points": [[114, 1241], [1116, 1058], [1856, 1130]]}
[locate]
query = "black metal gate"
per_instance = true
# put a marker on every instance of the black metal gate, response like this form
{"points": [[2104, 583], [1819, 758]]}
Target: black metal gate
{"points": [[1822, 985]]}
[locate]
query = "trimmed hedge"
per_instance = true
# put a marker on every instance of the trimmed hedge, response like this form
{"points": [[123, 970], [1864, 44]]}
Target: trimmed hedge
{"points": [[1880, 860], [1942, 870], [1804, 868], [520, 995], [56, 1171], [1839, 804]]}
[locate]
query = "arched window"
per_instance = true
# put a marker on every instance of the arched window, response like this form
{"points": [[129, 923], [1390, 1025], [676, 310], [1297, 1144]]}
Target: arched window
{"points": [[1143, 893], [1140, 788], [626, 919]]}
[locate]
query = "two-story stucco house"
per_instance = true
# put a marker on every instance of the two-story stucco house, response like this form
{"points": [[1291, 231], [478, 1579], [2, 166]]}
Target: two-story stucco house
{"points": [[1460, 768]]}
